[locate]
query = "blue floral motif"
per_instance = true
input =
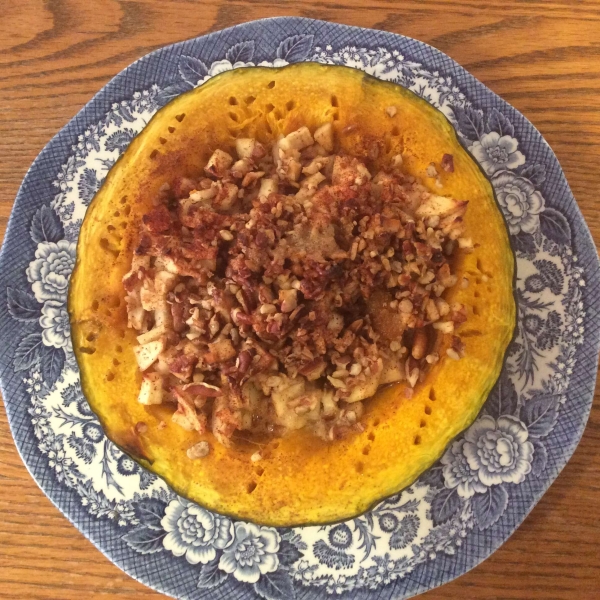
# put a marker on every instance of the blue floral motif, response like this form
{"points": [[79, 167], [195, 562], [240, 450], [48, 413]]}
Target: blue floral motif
{"points": [[521, 203], [550, 275], [498, 451], [84, 448], [497, 153], [34, 384], [146, 479], [492, 452], [67, 174], [91, 138], [388, 522], [241, 52], [126, 466], [71, 394], [535, 284], [340, 536], [550, 335], [458, 473], [83, 408], [119, 140], [197, 534], [72, 230], [305, 572], [195, 73], [65, 211], [88, 185], [253, 552], [295, 48], [405, 533], [532, 323], [56, 328], [334, 554], [65, 469], [46, 226], [50, 271], [382, 63], [93, 432]]}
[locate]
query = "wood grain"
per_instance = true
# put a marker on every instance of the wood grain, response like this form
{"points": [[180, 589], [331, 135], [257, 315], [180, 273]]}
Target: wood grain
{"points": [[543, 57]]}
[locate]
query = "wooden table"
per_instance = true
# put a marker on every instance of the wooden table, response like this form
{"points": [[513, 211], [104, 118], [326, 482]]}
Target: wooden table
{"points": [[542, 57]]}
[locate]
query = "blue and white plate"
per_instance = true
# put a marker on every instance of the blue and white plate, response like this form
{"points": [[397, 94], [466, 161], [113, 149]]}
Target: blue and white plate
{"points": [[458, 512]]}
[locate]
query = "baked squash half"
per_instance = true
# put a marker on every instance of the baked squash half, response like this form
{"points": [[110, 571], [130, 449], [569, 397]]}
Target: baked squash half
{"points": [[301, 479]]}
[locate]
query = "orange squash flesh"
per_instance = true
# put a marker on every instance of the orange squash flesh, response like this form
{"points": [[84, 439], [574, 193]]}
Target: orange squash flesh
{"points": [[301, 480]]}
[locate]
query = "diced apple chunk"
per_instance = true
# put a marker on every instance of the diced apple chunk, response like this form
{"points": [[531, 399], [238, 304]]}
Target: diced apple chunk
{"points": [[201, 196], [149, 296], [297, 140], [164, 282], [162, 314], [439, 206], [199, 450], [241, 167], [289, 389], [218, 163], [267, 187], [151, 391], [292, 169], [147, 354], [245, 147], [316, 164], [370, 385], [140, 262], [152, 335], [171, 265], [365, 390], [391, 374], [283, 397], [136, 315], [251, 178], [312, 181], [349, 171], [226, 197], [179, 418], [221, 351], [186, 413], [288, 299], [330, 406], [324, 136], [224, 421]]}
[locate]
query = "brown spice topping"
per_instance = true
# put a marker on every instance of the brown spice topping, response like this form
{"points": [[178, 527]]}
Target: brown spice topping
{"points": [[284, 303]]}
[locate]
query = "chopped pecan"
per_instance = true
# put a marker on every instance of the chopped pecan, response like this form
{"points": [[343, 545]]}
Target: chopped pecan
{"points": [[202, 389], [244, 360], [182, 186], [183, 366], [157, 220], [448, 163]]}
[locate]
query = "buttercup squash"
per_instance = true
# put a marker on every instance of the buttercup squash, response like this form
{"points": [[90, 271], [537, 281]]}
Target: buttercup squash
{"points": [[299, 479]]}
